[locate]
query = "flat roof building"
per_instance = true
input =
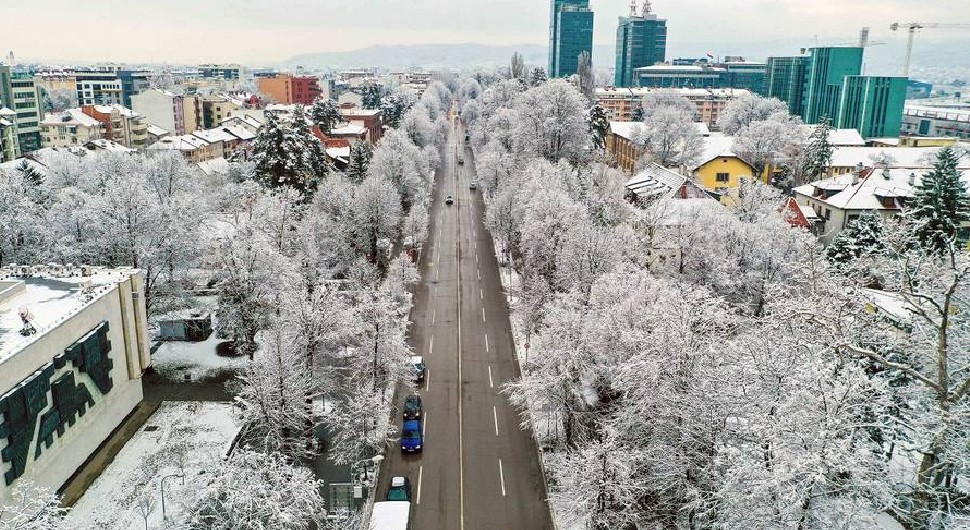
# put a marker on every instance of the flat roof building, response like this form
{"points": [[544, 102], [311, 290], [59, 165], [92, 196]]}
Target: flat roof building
{"points": [[73, 348]]}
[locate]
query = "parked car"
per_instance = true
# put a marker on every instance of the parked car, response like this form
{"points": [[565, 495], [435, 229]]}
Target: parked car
{"points": [[419, 368], [461, 161], [400, 489], [413, 408], [449, 200], [411, 439], [473, 185]]}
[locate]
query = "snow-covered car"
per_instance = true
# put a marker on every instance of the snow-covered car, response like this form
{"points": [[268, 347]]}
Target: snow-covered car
{"points": [[400, 489], [449, 200], [417, 362]]}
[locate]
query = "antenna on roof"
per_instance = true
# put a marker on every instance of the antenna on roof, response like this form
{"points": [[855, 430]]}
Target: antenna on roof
{"points": [[647, 8], [633, 8], [26, 317]]}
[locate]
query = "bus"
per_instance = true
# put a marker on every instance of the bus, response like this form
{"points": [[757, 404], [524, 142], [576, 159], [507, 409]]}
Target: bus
{"points": [[391, 515]]}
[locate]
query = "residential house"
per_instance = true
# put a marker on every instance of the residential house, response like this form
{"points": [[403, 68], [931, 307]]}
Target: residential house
{"points": [[177, 114], [121, 125], [193, 148], [69, 128], [349, 132], [719, 168], [215, 109], [9, 144], [371, 119], [842, 198], [155, 133]]}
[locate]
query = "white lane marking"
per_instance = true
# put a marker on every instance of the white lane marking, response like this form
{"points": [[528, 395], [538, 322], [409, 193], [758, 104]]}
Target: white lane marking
{"points": [[486, 342], [434, 314], [495, 417], [420, 477], [501, 476], [427, 379], [483, 314], [479, 274], [424, 424], [481, 294], [490, 384], [431, 346]]}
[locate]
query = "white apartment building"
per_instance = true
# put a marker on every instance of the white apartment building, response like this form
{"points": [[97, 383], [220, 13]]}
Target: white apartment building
{"points": [[175, 113], [65, 387], [69, 128]]}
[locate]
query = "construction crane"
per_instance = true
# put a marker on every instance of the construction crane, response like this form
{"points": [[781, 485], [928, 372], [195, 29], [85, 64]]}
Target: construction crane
{"points": [[912, 27]]}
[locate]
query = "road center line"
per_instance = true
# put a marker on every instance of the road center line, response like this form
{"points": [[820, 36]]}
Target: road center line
{"points": [[417, 499], [479, 274], [483, 314], [490, 384], [461, 434], [481, 294], [431, 346], [427, 380], [424, 424], [434, 314], [495, 417], [486, 342], [501, 476]]}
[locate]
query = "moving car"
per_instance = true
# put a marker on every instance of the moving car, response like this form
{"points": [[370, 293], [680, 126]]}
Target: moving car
{"points": [[461, 161], [411, 439], [413, 408], [400, 489], [473, 185], [419, 368], [449, 200]]}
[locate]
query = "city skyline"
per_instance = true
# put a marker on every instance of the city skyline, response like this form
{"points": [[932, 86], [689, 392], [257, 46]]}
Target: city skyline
{"points": [[261, 32]]}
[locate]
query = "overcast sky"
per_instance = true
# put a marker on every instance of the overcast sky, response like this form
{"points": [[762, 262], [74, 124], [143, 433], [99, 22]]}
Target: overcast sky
{"points": [[264, 31]]}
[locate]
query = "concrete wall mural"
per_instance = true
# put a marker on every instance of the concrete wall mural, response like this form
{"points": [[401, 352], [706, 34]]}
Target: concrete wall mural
{"points": [[55, 403]]}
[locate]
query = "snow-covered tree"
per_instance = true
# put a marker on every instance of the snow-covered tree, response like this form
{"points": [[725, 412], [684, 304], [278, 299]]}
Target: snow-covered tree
{"points": [[769, 143], [287, 154], [940, 208], [587, 77], [599, 126], [537, 77], [551, 122], [325, 114], [517, 68], [863, 236], [31, 508], [669, 137], [256, 491], [744, 110], [360, 156], [818, 154], [372, 95]]}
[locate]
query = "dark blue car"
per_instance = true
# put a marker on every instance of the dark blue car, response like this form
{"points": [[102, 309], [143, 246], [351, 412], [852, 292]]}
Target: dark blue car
{"points": [[411, 439]]}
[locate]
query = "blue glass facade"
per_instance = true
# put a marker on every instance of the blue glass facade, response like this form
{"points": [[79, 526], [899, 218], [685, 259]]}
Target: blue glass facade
{"points": [[640, 41], [570, 34]]}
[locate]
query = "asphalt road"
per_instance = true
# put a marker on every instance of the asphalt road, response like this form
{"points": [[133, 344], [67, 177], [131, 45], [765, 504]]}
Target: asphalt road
{"points": [[479, 469]]}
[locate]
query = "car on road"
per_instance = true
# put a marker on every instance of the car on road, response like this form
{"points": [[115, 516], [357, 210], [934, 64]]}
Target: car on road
{"points": [[420, 370], [473, 185], [413, 408], [461, 161], [400, 489], [449, 200], [411, 439]]}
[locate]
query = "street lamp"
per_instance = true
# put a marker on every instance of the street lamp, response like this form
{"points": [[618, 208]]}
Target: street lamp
{"points": [[164, 515]]}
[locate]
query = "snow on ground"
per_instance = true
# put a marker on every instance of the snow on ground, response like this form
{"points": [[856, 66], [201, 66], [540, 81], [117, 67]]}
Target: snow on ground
{"points": [[886, 522], [197, 360], [195, 435]]}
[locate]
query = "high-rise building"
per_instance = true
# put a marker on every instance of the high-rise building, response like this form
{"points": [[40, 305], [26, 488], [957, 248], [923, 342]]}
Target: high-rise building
{"points": [[98, 88], [132, 83], [786, 81], [19, 93], [872, 105], [824, 77], [290, 89], [570, 34], [641, 40]]}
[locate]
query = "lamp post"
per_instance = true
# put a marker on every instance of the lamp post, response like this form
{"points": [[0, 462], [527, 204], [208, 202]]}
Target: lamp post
{"points": [[164, 515]]}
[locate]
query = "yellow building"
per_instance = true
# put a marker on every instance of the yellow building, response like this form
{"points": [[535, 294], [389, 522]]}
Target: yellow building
{"points": [[719, 169]]}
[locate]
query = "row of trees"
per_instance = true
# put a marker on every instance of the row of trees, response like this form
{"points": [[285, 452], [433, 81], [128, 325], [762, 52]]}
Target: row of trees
{"points": [[694, 367], [302, 258]]}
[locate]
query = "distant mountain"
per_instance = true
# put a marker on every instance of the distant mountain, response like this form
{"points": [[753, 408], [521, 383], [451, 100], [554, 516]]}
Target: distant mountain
{"points": [[430, 56], [934, 60]]}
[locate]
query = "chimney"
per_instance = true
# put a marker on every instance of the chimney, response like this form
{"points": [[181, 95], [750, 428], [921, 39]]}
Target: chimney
{"points": [[912, 179], [857, 173]]}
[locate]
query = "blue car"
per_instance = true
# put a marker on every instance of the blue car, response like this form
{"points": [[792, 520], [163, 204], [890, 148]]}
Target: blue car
{"points": [[411, 439]]}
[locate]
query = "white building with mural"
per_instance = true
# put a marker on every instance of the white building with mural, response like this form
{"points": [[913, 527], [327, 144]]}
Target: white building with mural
{"points": [[73, 348]]}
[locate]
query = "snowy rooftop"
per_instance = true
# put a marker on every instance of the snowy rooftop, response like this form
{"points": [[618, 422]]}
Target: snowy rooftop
{"points": [[51, 294], [215, 166], [639, 92], [155, 130], [655, 181], [124, 111], [107, 145], [716, 145], [214, 135], [348, 130], [185, 142], [875, 189], [900, 157], [678, 68], [627, 129], [71, 117], [360, 112], [240, 132], [840, 137], [342, 153]]}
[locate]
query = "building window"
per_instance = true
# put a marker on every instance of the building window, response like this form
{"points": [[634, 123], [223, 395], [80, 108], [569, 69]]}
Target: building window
{"points": [[723, 177], [828, 214]]}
